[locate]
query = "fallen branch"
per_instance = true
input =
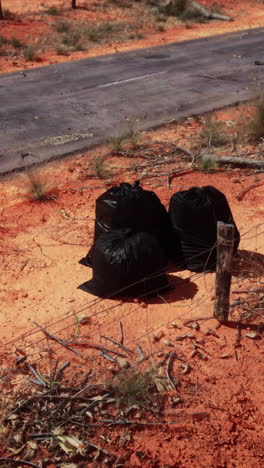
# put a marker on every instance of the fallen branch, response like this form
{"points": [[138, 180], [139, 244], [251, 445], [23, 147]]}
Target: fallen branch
{"points": [[99, 348], [251, 291], [243, 192], [238, 162], [118, 344], [209, 14]]}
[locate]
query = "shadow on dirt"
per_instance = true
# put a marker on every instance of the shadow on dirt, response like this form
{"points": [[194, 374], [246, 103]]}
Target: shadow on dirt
{"points": [[247, 264], [178, 290]]}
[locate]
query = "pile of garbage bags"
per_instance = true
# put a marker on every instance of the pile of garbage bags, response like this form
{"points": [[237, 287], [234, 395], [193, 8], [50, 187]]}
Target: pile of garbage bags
{"points": [[135, 237]]}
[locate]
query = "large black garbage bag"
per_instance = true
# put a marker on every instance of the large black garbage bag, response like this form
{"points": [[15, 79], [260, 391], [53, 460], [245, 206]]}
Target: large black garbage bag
{"points": [[130, 207], [194, 214], [127, 264]]}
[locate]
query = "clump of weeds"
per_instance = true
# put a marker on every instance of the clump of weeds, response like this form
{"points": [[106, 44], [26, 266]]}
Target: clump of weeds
{"points": [[99, 167], [212, 133], [30, 53], [38, 186], [255, 125]]}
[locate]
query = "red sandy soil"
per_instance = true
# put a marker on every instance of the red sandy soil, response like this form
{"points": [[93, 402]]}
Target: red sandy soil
{"points": [[31, 26], [221, 412]]}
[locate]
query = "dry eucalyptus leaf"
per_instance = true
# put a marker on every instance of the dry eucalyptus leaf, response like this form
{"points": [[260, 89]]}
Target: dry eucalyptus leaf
{"points": [[68, 465], [185, 368], [17, 437], [252, 335], [167, 342], [12, 417], [70, 444], [32, 444]]}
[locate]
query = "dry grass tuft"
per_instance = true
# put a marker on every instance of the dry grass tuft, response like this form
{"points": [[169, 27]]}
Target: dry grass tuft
{"points": [[255, 126], [212, 134], [38, 187]]}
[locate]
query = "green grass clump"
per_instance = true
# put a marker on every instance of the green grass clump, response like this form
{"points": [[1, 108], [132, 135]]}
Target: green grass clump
{"points": [[71, 38], [62, 50], [211, 134], [3, 40], [117, 142], [52, 11], [62, 26], [100, 167], [30, 53], [255, 126], [16, 43], [207, 164]]}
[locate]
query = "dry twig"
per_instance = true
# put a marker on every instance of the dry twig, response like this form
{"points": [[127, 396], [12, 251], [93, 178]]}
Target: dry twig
{"points": [[58, 340]]}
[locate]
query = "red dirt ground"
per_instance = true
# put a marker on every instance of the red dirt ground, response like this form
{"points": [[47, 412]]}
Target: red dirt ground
{"points": [[220, 418], [221, 412], [31, 25]]}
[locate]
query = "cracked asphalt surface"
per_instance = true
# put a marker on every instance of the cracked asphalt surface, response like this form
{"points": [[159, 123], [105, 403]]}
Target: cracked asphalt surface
{"points": [[52, 111]]}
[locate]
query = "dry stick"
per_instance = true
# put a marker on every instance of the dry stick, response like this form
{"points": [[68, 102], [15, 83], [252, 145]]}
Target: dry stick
{"points": [[136, 423], [19, 462], [62, 343], [99, 449], [122, 332], [240, 162], [241, 194], [101, 348], [168, 369], [109, 358], [118, 344], [248, 291], [141, 353]]}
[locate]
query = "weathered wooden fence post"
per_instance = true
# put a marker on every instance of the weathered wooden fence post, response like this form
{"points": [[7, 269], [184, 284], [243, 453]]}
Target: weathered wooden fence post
{"points": [[225, 245]]}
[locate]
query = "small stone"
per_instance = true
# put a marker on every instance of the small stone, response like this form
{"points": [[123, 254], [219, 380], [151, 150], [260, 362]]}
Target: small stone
{"points": [[157, 337]]}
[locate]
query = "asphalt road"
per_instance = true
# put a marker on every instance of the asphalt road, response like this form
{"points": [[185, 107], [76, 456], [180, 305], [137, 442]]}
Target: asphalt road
{"points": [[55, 110]]}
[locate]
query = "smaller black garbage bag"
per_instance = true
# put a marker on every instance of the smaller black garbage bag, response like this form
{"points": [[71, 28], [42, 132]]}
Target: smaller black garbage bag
{"points": [[222, 211], [127, 264], [130, 207], [194, 214]]}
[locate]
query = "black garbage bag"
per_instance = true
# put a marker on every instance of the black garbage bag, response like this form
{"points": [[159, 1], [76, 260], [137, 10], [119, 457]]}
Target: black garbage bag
{"points": [[127, 264], [130, 207], [194, 214]]}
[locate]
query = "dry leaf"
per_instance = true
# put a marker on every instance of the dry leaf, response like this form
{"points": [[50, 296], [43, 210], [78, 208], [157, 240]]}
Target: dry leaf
{"points": [[185, 368], [70, 444], [32, 444], [252, 335], [68, 465]]}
